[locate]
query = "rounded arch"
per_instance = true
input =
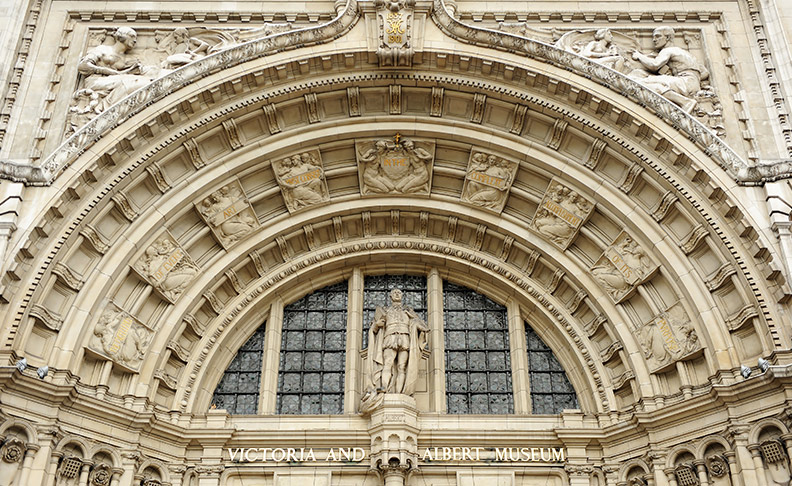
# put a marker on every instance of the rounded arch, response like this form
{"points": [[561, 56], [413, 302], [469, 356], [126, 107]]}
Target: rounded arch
{"points": [[759, 427], [23, 426]]}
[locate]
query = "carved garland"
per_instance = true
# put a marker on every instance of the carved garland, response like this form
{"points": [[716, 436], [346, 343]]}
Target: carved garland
{"points": [[489, 263]]}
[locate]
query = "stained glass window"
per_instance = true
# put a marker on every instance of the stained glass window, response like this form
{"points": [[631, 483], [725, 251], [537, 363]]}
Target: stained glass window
{"points": [[377, 288], [312, 358], [478, 368], [551, 391], [238, 390]]}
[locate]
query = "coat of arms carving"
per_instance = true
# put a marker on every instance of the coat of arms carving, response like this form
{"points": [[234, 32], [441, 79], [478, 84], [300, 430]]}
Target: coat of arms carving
{"points": [[398, 166]]}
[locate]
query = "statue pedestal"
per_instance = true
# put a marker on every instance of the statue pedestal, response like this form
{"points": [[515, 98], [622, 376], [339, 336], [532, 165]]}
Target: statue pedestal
{"points": [[393, 427]]}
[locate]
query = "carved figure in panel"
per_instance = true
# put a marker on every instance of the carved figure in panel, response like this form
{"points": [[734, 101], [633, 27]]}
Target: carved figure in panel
{"points": [[396, 337], [109, 73], [685, 72], [394, 24], [561, 214], [120, 337], [622, 267], [669, 337], [488, 180], [398, 166], [228, 213], [525, 29], [604, 46], [12, 454], [718, 470], [167, 267], [302, 180], [181, 48]]}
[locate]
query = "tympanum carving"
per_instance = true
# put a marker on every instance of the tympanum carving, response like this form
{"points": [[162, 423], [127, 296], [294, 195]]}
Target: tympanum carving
{"points": [[488, 180], [167, 267], [302, 180], [561, 214], [622, 266], [120, 337], [396, 337], [228, 213], [398, 166], [667, 338]]}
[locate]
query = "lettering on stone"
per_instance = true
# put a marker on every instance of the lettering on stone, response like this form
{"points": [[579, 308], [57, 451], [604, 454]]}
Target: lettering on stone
{"points": [[488, 180], [397, 166], [228, 214], [561, 214], [120, 337], [668, 337], [167, 267], [302, 180], [394, 25], [622, 267]]}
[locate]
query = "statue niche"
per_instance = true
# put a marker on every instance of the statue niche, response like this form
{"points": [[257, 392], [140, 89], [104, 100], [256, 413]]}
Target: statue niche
{"points": [[396, 337]]}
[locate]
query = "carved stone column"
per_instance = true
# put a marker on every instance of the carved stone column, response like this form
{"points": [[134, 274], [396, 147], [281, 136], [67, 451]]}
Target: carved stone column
{"points": [[27, 463], [393, 427], [657, 461], [84, 471], [736, 477], [209, 474], [115, 479], [579, 474], [701, 469], [129, 463], [756, 456], [670, 476], [52, 468], [177, 473]]}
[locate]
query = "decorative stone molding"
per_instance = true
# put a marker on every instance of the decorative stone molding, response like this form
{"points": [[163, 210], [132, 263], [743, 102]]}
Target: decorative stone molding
{"points": [[161, 87], [488, 180]]}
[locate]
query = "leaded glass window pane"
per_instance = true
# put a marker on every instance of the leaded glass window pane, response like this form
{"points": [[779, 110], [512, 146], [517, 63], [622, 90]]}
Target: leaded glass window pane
{"points": [[478, 368], [551, 391], [375, 294], [312, 359], [238, 390]]}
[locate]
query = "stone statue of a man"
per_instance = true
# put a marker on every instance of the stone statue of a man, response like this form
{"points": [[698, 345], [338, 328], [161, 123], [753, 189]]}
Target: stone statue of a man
{"points": [[396, 337]]}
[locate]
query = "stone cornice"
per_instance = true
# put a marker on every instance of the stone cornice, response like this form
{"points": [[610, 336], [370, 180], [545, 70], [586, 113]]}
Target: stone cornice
{"points": [[732, 163], [86, 136]]}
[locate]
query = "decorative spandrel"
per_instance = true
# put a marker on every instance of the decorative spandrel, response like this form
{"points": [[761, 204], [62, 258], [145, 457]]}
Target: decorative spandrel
{"points": [[561, 214], [302, 180], [488, 180], [167, 267], [395, 166], [397, 335], [622, 267], [668, 338], [119, 336], [228, 214]]}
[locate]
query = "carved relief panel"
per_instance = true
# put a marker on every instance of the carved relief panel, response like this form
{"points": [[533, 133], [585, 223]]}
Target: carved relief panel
{"points": [[622, 267], [394, 26], [561, 214], [228, 213], [167, 267], [397, 166], [120, 337], [302, 180], [667, 338], [488, 180]]}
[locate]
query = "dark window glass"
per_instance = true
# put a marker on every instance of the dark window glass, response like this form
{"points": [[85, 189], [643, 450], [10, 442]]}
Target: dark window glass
{"points": [[478, 369], [312, 359], [551, 391], [238, 390], [376, 289]]}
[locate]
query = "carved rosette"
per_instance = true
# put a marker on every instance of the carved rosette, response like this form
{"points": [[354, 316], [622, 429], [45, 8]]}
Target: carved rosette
{"points": [[395, 166], [167, 267], [101, 475], [302, 180], [717, 466], [488, 180], [120, 337], [395, 32], [12, 451], [622, 267], [668, 337], [561, 214], [228, 213]]}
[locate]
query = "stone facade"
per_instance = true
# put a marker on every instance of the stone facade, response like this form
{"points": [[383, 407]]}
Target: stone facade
{"points": [[614, 178]]}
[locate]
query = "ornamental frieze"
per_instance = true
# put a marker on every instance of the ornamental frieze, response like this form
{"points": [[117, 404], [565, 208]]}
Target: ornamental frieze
{"points": [[488, 180], [622, 266], [228, 213], [561, 214], [395, 166], [120, 337], [167, 267], [302, 180], [667, 338]]}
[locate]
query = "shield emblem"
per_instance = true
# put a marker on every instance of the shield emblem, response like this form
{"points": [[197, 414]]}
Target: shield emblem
{"points": [[395, 164]]}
